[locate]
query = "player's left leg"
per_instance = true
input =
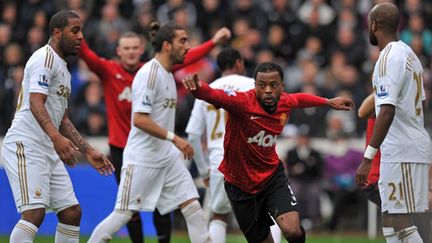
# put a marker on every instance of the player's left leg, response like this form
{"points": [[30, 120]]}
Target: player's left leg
{"points": [[180, 191], [64, 203], [282, 205], [68, 228]]}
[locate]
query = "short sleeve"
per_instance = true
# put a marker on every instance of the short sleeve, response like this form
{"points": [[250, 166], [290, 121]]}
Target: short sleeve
{"points": [[389, 81], [196, 124], [143, 92], [41, 77]]}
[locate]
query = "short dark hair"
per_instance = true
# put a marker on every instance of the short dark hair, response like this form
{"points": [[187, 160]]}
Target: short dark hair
{"points": [[60, 20], [227, 58], [159, 34], [131, 34], [267, 67]]}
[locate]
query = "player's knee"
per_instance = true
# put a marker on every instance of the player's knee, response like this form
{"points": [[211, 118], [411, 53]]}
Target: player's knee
{"points": [[70, 215], [294, 234], [291, 233], [34, 216]]}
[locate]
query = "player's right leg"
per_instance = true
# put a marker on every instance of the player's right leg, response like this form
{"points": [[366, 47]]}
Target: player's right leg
{"points": [[121, 214], [28, 176], [139, 190], [134, 226]]}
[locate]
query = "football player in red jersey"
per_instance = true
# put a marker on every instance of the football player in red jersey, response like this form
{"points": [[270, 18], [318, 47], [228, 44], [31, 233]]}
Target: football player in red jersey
{"points": [[116, 77], [255, 181]]}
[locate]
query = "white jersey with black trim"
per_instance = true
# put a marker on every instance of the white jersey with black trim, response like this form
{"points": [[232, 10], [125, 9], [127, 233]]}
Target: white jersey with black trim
{"points": [[206, 119], [397, 80], [46, 73], [153, 92]]}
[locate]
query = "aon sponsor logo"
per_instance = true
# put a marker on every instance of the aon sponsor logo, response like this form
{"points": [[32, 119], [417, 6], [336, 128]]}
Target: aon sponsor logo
{"points": [[263, 140]]}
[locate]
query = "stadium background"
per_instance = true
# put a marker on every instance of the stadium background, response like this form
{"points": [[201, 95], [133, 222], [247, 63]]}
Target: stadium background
{"points": [[321, 44]]}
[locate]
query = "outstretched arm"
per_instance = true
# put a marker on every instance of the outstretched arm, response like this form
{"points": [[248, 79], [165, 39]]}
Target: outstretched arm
{"points": [[202, 50], [303, 100], [229, 100], [96, 159], [93, 61]]}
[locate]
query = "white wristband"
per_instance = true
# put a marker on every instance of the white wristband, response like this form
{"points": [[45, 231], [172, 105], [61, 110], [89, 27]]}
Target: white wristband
{"points": [[170, 136], [370, 152]]}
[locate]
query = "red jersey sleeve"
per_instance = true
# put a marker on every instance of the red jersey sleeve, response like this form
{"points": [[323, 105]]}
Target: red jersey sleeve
{"points": [[229, 100], [304, 100], [93, 61], [195, 54]]}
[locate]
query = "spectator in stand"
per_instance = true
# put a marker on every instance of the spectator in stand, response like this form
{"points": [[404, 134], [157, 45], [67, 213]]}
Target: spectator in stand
{"points": [[164, 12], [416, 27], [116, 77], [312, 117], [304, 166], [9, 97], [340, 167], [109, 28]]}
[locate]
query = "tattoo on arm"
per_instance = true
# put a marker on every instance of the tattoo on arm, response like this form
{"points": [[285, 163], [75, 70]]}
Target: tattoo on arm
{"points": [[41, 115], [68, 130]]}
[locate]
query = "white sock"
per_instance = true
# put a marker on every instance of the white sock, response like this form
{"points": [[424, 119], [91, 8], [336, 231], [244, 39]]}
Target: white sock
{"points": [[217, 230], [67, 233], [409, 235], [390, 235], [276, 233], [110, 225], [196, 225], [23, 232]]}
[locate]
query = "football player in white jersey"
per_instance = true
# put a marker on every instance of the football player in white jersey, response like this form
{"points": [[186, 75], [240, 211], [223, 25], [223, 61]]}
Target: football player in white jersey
{"points": [[42, 138], [153, 173], [399, 129], [210, 121]]}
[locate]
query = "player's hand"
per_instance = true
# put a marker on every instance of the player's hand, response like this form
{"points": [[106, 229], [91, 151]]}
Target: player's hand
{"points": [[100, 162], [341, 103], [221, 36], [184, 147], [191, 82], [65, 149], [363, 172]]}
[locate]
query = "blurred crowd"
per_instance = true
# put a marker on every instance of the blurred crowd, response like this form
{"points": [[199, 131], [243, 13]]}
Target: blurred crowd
{"points": [[321, 44]]}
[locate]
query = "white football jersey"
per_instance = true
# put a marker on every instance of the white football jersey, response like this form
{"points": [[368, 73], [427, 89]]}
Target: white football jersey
{"points": [[153, 92], [206, 119], [45, 72], [397, 80]]}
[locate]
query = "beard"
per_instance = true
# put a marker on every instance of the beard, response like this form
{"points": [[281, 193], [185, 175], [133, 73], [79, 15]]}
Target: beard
{"points": [[372, 39], [177, 58], [67, 48]]}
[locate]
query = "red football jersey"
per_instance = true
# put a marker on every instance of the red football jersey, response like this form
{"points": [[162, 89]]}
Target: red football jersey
{"points": [[374, 172], [117, 83], [250, 157]]}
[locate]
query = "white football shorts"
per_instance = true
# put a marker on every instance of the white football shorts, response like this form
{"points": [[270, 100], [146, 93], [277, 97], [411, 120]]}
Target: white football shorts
{"points": [[404, 187], [219, 202], [38, 177], [145, 188]]}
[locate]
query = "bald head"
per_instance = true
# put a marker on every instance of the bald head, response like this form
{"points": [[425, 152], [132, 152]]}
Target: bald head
{"points": [[386, 17]]}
